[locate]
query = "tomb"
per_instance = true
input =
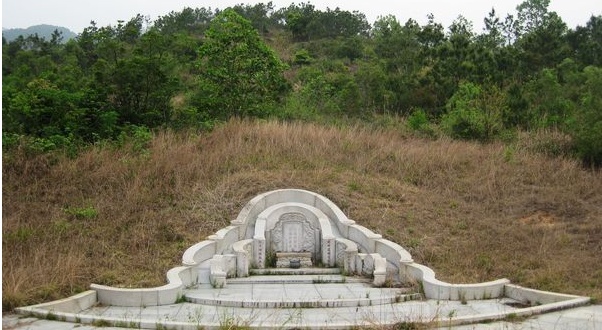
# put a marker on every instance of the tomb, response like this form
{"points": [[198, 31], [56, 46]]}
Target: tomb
{"points": [[292, 249]]}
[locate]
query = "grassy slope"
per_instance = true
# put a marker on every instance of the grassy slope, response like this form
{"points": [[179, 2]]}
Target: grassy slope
{"points": [[472, 212]]}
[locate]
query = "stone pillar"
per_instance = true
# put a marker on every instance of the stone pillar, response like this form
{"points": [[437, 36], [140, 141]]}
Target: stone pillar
{"points": [[328, 243], [259, 244], [380, 270], [328, 251], [350, 258], [346, 253], [242, 250], [217, 276]]}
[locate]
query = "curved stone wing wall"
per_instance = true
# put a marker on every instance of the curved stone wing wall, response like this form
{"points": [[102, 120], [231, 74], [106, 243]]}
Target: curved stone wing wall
{"points": [[243, 228]]}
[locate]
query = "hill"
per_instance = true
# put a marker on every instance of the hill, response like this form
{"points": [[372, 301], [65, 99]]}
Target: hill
{"points": [[471, 211], [43, 30], [302, 63]]}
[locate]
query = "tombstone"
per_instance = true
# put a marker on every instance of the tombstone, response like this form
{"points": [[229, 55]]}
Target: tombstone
{"points": [[294, 241]]}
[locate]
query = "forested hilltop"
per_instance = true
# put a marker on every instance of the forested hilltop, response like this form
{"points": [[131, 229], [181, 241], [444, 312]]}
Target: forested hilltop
{"points": [[43, 30], [525, 72]]}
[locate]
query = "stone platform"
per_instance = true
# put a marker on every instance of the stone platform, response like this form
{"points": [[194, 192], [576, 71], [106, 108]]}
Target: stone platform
{"points": [[314, 289], [578, 318], [284, 303]]}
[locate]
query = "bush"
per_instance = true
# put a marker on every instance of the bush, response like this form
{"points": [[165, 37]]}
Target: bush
{"points": [[468, 124], [585, 126], [418, 121], [588, 144], [138, 137], [463, 119], [474, 114], [302, 57]]}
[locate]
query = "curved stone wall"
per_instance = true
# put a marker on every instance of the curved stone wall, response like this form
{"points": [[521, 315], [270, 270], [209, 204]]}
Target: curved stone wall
{"points": [[177, 278], [227, 255]]}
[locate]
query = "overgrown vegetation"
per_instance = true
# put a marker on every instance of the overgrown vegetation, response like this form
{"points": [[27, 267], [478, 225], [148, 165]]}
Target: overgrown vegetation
{"points": [[192, 68], [473, 212], [119, 147]]}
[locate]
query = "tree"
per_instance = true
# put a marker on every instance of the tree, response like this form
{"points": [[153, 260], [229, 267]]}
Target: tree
{"points": [[337, 23], [239, 74], [43, 110], [457, 53], [586, 125], [388, 37], [548, 105], [546, 46], [432, 34], [532, 14], [402, 58], [261, 16], [188, 21], [306, 23], [494, 37], [542, 36], [586, 42], [298, 18]]}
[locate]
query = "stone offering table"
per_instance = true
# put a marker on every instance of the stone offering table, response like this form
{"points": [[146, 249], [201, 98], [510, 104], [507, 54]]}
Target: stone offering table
{"points": [[293, 260]]}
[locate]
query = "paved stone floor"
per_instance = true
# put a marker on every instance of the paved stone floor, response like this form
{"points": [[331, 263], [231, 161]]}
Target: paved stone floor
{"points": [[315, 305], [580, 318]]}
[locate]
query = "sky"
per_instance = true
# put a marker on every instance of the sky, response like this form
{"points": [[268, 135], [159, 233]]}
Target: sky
{"points": [[76, 15]]}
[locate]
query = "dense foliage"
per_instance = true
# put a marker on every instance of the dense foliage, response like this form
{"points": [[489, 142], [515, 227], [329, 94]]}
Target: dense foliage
{"points": [[525, 71]]}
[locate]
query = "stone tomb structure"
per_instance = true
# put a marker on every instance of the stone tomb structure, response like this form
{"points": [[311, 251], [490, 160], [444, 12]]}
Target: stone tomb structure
{"points": [[294, 235], [307, 232], [292, 249]]}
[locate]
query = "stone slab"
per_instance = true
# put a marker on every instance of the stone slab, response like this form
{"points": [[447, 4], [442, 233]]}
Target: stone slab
{"points": [[298, 279], [295, 271], [582, 318]]}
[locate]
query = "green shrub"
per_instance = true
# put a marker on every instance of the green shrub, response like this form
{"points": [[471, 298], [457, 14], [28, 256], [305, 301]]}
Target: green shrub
{"points": [[474, 114], [464, 124], [418, 121], [585, 126], [302, 57], [138, 136]]}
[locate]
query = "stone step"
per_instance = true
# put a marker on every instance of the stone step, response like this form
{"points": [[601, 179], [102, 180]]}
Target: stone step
{"points": [[296, 279], [310, 302], [295, 271]]}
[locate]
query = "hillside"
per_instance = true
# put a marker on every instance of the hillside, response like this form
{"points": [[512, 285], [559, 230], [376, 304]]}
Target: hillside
{"points": [[43, 30], [124, 215], [191, 68]]}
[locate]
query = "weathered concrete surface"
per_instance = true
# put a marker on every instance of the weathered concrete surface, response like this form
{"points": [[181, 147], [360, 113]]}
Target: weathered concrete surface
{"points": [[580, 318]]}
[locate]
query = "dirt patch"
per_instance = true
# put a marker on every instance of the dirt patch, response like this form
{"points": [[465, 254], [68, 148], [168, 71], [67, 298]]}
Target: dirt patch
{"points": [[540, 219]]}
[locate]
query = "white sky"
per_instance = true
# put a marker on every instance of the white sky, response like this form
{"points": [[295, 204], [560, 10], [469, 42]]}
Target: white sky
{"points": [[76, 15]]}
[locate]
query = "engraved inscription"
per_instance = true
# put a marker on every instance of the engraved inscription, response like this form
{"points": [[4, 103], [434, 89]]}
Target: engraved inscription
{"points": [[293, 237], [293, 233]]}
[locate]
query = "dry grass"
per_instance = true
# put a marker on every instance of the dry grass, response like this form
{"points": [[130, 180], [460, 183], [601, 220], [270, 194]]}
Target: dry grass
{"points": [[472, 212]]}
